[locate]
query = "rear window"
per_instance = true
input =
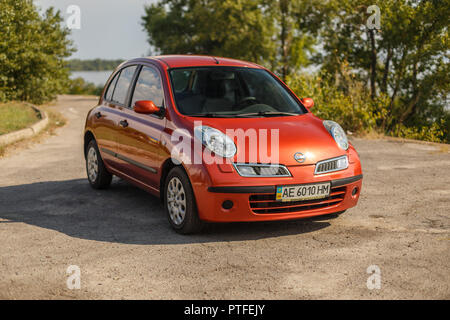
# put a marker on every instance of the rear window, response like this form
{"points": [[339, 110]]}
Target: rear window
{"points": [[123, 84], [112, 86]]}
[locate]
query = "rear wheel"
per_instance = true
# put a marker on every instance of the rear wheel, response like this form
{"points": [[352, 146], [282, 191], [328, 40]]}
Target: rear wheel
{"points": [[179, 203], [98, 176]]}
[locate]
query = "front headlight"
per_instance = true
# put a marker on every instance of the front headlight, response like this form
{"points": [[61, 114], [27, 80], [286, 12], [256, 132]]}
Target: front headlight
{"points": [[216, 141], [337, 133]]}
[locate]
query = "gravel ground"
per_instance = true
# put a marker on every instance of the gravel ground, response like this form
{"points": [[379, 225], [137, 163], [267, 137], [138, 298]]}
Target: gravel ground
{"points": [[50, 218]]}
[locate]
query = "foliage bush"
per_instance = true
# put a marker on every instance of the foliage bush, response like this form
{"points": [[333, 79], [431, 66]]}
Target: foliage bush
{"points": [[80, 87], [436, 132], [349, 105], [346, 100]]}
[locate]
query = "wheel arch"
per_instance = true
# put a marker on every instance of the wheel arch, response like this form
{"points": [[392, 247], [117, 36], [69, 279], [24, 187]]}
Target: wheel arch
{"points": [[168, 165], [88, 136]]}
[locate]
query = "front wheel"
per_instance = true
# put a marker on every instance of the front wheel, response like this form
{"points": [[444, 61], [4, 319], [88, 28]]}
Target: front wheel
{"points": [[98, 176], [179, 203]]}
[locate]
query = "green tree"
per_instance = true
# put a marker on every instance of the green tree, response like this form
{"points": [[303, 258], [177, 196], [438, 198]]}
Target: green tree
{"points": [[279, 34], [32, 52], [407, 59], [297, 23], [394, 78], [228, 28]]}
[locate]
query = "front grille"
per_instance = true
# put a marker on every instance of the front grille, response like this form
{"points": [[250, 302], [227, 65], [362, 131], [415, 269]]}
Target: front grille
{"points": [[266, 203], [327, 166], [331, 165]]}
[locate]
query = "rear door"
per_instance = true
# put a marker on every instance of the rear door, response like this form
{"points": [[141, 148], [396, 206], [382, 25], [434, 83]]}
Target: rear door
{"points": [[107, 117], [105, 125], [138, 141]]}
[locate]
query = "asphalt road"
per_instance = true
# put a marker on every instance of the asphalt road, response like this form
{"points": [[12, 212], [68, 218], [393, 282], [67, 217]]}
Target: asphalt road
{"points": [[50, 219]]}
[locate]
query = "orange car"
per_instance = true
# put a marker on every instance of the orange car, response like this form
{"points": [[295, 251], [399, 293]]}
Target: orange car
{"points": [[218, 140]]}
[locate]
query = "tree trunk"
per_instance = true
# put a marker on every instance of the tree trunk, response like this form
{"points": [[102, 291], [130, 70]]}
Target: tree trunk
{"points": [[411, 108], [284, 11], [399, 76], [386, 70], [373, 64]]}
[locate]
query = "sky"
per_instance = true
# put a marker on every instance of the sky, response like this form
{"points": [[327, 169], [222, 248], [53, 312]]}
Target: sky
{"points": [[109, 29]]}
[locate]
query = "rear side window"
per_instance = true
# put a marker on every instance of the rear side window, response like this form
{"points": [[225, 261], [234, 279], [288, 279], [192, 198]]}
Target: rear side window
{"points": [[123, 83], [148, 87], [112, 85]]}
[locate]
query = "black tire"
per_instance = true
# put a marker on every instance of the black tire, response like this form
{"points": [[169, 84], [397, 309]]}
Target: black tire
{"points": [[190, 223], [103, 178]]}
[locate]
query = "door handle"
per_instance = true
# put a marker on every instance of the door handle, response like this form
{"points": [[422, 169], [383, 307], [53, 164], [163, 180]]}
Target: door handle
{"points": [[124, 123], [98, 115]]}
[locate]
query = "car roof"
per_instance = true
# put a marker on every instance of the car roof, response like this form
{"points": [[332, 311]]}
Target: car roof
{"points": [[180, 61]]}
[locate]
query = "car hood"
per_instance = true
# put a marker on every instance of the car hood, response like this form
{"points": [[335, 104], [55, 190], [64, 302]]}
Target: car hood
{"points": [[296, 134]]}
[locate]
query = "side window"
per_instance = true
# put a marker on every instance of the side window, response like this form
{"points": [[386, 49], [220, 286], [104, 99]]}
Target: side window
{"points": [[148, 87], [112, 85], [125, 78]]}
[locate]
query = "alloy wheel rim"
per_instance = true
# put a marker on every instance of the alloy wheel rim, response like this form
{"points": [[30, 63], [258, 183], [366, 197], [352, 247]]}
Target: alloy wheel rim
{"points": [[176, 201], [92, 164]]}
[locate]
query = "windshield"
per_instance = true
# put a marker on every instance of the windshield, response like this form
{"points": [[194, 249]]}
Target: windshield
{"points": [[231, 92]]}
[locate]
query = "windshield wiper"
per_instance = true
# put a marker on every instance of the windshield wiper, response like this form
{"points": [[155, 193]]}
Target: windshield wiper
{"points": [[209, 115], [267, 113], [242, 115], [217, 115]]}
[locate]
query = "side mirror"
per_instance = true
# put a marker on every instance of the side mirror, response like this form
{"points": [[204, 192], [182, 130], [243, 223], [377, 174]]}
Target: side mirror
{"points": [[146, 107], [308, 102]]}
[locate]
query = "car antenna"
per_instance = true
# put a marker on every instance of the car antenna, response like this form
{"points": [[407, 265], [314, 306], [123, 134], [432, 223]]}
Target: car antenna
{"points": [[215, 59]]}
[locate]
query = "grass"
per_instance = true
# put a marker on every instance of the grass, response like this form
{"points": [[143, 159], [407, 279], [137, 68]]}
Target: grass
{"points": [[56, 120], [15, 116]]}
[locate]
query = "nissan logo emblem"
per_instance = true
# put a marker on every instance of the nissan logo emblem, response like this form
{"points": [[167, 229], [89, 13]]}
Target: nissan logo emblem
{"points": [[299, 157]]}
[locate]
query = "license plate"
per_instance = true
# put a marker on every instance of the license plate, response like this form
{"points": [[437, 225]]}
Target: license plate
{"points": [[303, 192]]}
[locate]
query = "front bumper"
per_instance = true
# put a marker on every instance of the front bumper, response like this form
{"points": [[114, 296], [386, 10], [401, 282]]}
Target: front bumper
{"points": [[257, 202]]}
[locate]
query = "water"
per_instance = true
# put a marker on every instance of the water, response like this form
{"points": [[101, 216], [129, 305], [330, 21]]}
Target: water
{"points": [[98, 78]]}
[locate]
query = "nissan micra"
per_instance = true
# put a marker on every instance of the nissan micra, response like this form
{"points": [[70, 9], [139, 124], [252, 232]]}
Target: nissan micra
{"points": [[218, 140]]}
